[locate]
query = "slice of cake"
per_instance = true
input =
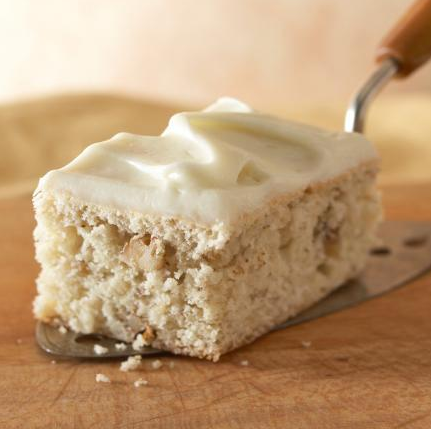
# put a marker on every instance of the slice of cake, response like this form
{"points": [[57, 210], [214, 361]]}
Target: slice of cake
{"points": [[207, 236]]}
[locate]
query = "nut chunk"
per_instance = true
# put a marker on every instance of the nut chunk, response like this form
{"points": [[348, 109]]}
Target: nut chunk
{"points": [[144, 339], [145, 253]]}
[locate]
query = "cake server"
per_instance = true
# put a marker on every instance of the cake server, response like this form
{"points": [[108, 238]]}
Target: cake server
{"points": [[406, 250]]}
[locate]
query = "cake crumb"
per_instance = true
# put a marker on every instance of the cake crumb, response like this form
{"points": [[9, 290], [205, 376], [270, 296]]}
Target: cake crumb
{"points": [[120, 346], [53, 362], [306, 344], [139, 342], [140, 382], [131, 363], [171, 364], [244, 363], [144, 338], [156, 364], [102, 378], [62, 330], [100, 350], [19, 340]]}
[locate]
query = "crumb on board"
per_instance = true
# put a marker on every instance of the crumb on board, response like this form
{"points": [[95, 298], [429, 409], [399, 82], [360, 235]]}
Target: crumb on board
{"points": [[156, 364], [102, 378], [244, 363], [171, 364], [306, 344], [140, 382], [100, 350], [19, 340], [120, 346], [62, 330], [131, 363], [53, 362]]}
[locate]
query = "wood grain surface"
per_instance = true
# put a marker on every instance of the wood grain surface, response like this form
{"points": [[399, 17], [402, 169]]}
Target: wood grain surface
{"points": [[366, 367]]}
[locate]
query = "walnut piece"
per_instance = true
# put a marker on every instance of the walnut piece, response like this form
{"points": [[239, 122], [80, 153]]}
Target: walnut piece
{"points": [[149, 334], [144, 252], [144, 338]]}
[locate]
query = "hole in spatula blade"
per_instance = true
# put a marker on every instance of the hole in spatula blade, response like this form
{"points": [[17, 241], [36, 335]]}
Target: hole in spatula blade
{"points": [[417, 241], [89, 338], [380, 251]]}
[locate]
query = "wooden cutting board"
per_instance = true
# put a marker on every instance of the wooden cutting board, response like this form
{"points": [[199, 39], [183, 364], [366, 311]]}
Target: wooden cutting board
{"points": [[367, 367]]}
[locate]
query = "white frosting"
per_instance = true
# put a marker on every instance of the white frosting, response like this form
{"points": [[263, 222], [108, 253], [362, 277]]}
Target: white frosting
{"points": [[209, 165]]}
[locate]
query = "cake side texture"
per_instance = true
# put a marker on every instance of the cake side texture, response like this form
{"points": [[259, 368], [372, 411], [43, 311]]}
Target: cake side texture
{"points": [[204, 289]]}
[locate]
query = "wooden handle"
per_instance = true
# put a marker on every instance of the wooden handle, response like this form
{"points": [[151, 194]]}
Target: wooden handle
{"points": [[409, 42]]}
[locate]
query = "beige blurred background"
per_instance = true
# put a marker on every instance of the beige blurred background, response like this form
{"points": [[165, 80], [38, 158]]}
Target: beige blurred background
{"points": [[268, 52], [301, 59]]}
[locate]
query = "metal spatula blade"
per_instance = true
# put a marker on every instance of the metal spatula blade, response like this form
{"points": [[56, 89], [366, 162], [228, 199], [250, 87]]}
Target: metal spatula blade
{"points": [[404, 255], [72, 344]]}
